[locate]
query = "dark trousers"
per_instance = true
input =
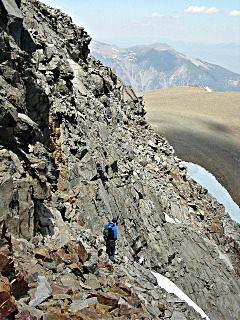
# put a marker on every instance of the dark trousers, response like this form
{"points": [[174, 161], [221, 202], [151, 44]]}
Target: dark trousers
{"points": [[110, 244]]}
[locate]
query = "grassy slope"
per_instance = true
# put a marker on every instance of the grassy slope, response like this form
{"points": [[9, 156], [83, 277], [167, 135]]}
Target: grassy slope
{"points": [[203, 127]]}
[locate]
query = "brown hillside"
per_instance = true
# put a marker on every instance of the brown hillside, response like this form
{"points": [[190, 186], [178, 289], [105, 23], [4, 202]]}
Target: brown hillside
{"points": [[203, 127]]}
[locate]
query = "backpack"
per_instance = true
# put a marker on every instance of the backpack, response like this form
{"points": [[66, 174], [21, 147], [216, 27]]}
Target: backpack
{"points": [[108, 233]]}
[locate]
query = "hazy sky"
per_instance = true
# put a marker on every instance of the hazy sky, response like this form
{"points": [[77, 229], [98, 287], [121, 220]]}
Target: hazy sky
{"points": [[129, 22]]}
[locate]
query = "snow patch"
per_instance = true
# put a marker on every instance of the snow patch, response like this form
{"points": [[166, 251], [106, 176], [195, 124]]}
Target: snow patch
{"points": [[234, 82], [171, 220], [181, 55], [131, 59], [198, 63], [208, 181], [224, 257], [115, 49], [170, 287], [208, 89]]}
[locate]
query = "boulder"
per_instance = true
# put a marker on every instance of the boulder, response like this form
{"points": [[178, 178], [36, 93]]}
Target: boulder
{"points": [[43, 253], [20, 286], [110, 299], [42, 293], [7, 302], [61, 292], [76, 251], [25, 315]]}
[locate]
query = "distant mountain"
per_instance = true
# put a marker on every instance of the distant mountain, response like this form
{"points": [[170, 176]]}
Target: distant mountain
{"points": [[149, 67], [223, 54]]}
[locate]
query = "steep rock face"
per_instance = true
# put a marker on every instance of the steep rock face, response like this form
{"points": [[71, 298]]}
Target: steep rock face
{"points": [[76, 151], [12, 22]]}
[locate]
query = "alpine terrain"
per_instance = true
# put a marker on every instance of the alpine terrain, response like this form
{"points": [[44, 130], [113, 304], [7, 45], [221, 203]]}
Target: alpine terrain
{"points": [[75, 152], [205, 133], [149, 67]]}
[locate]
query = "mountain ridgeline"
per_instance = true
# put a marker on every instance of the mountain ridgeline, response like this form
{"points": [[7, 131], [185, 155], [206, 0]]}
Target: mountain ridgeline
{"points": [[156, 66], [75, 151]]}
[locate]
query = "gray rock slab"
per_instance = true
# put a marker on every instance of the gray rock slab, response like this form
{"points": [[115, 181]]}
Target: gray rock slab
{"points": [[81, 304], [178, 316], [153, 310], [12, 8], [42, 292]]}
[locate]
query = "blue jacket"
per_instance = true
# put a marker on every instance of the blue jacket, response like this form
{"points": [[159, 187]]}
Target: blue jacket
{"points": [[114, 228]]}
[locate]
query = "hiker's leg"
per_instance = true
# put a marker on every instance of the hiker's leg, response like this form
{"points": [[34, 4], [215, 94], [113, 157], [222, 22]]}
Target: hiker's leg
{"points": [[108, 248], [112, 250]]}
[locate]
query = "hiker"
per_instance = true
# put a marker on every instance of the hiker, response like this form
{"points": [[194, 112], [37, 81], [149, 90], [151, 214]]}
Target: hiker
{"points": [[110, 236], [138, 259]]}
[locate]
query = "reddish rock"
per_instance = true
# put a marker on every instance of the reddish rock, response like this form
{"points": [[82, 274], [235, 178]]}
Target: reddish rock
{"points": [[128, 312], [58, 292], [102, 308], [51, 304], [123, 310], [33, 277], [121, 288], [76, 251], [6, 264], [93, 293], [19, 286], [109, 267], [103, 280], [134, 301], [25, 315], [7, 302], [42, 253], [5, 284], [62, 314], [60, 256], [135, 311], [162, 307], [77, 269], [4, 247], [91, 313], [217, 228], [102, 264], [108, 298]]}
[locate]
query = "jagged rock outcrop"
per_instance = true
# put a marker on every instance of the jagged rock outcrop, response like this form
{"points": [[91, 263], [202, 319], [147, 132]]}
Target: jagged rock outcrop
{"points": [[12, 22], [76, 151]]}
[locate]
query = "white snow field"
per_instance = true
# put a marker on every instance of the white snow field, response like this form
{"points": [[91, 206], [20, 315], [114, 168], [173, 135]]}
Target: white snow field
{"points": [[208, 181], [170, 287]]}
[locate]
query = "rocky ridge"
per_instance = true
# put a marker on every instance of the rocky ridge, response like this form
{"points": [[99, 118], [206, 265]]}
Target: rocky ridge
{"points": [[75, 151]]}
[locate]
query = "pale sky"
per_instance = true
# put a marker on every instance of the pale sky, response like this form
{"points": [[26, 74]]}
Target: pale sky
{"points": [[130, 22]]}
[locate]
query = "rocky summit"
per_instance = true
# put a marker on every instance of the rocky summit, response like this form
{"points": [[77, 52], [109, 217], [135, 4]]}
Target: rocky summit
{"points": [[76, 151]]}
